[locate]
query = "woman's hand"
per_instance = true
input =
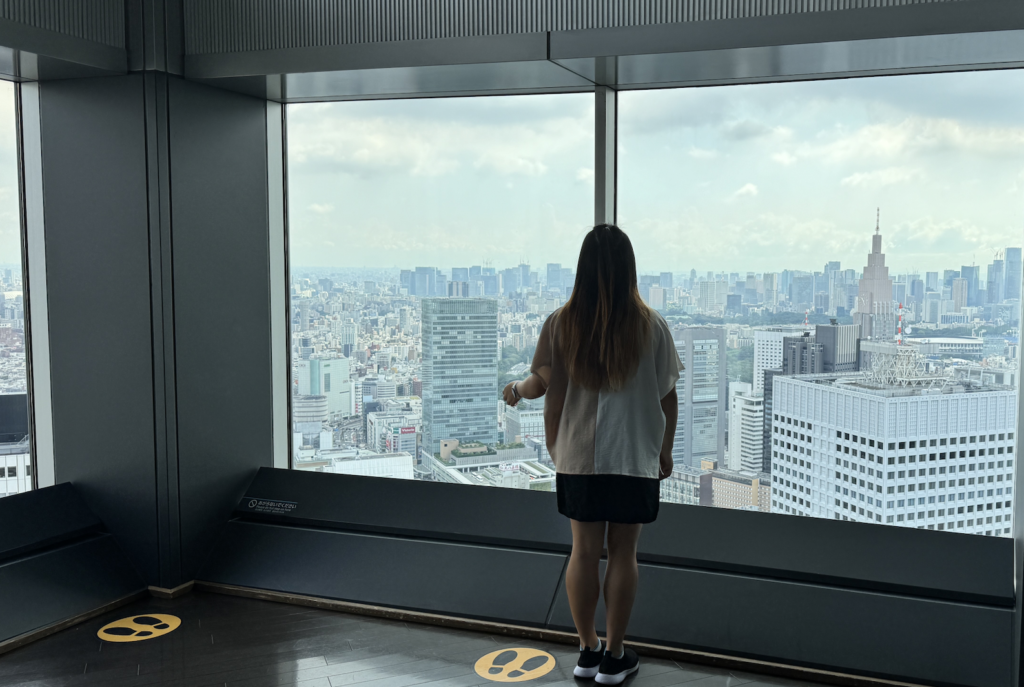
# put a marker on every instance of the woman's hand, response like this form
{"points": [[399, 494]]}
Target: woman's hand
{"points": [[510, 396], [664, 466]]}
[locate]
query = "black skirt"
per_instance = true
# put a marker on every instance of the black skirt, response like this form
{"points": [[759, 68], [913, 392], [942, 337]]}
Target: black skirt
{"points": [[608, 498]]}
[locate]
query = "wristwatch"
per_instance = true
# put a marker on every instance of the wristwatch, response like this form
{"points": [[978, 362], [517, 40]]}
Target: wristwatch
{"points": [[515, 391]]}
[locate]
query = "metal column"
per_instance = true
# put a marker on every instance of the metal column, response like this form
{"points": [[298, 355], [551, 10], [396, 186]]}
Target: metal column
{"points": [[605, 161]]}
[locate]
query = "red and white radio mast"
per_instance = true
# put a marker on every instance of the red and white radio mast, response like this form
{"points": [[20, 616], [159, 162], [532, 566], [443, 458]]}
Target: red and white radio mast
{"points": [[899, 328]]}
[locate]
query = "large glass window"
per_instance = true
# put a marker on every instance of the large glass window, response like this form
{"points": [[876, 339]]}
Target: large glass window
{"points": [[15, 451], [428, 241], [846, 256]]}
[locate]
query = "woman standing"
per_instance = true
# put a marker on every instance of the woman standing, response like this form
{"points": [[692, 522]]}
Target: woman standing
{"points": [[608, 366]]}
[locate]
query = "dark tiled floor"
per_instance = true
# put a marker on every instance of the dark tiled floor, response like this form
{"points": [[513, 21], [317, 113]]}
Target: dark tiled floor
{"points": [[226, 641]]}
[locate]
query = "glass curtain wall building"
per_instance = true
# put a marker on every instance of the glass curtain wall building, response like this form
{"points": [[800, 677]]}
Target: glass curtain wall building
{"points": [[839, 262]]}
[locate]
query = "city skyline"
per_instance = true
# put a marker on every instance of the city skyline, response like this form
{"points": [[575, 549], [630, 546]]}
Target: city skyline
{"points": [[424, 352]]}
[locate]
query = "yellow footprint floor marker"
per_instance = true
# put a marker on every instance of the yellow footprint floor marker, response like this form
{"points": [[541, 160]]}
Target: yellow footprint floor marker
{"points": [[515, 665], [139, 628]]}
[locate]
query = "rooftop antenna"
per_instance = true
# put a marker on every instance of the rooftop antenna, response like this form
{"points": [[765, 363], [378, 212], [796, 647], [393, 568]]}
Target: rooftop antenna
{"points": [[806, 313], [878, 218], [899, 328]]}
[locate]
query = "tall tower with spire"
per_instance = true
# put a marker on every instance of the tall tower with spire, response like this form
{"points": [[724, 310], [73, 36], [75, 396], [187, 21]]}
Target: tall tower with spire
{"points": [[874, 311]]}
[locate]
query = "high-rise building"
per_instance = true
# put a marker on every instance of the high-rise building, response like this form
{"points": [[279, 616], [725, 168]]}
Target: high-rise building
{"points": [[771, 290], [554, 276], [491, 285], [721, 294], [510, 281], [768, 351], [458, 289], [733, 304], [700, 430], [932, 307], [1012, 267], [424, 282], [656, 298], [996, 280], [749, 292], [802, 355], [568, 281], [972, 274], [348, 333], [838, 346], [665, 280], [911, 451], [832, 348], [874, 293], [746, 418], [328, 377], [915, 294], [931, 281], [801, 290], [304, 313], [460, 274], [524, 424], [961, 291], [460, 370], [524, 276], [707, 299]]}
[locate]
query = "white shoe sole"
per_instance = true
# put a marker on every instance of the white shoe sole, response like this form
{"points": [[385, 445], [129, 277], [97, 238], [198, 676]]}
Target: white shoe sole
{"points": [[605, 679], [580, 671]]}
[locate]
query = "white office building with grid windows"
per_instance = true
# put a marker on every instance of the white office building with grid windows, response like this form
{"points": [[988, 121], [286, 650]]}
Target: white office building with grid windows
{"points": [[929, 456]]}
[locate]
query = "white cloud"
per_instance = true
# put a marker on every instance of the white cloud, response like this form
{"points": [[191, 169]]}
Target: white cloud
{"points": [[784, 158], [702, 154], [881, 177], [914, 136], [585, 174], [430, 146], [322, 208], [504, 162], [745, 190]]}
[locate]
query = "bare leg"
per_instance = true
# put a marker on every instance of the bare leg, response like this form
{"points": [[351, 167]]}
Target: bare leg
{"points": [[620, 581], [582, 577]]}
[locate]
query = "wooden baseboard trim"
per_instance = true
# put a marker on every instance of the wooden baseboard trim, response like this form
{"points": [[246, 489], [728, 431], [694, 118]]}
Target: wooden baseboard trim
{"points": [[164, 593], [47, 630], [554, 636]]}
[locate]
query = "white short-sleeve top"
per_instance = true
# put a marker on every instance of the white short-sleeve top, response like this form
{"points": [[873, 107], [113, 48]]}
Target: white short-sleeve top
{"points": [[608, 432]]}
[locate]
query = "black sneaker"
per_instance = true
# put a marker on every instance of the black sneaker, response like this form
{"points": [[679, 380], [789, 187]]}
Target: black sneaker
{"points": [[590, 661], [615, 670]]}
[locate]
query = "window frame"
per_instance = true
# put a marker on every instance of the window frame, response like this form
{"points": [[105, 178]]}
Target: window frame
{"points": [[605, 184], [33, 266]]}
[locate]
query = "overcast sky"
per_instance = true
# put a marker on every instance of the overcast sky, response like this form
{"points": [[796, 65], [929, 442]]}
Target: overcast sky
{"points": [[736, 178]]}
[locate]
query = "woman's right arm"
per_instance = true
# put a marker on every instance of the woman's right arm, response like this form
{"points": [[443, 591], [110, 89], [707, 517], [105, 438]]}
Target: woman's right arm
{"points": [[532, 387], [670, 406]]}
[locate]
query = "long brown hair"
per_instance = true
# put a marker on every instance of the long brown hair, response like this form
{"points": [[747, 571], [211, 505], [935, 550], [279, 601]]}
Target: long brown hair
{"points": [[605, 324]]}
